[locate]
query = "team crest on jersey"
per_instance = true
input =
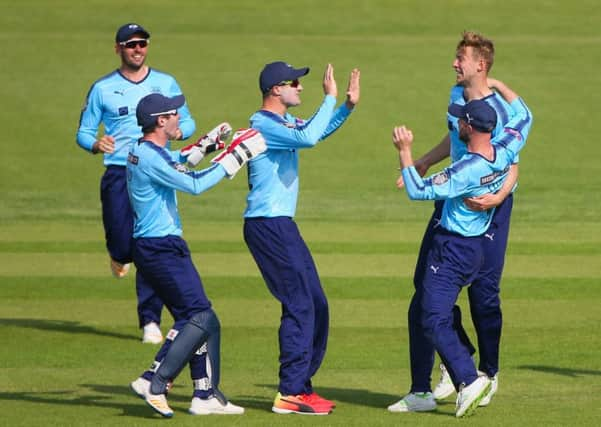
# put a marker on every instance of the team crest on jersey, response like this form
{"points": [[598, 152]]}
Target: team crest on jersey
{"points": [[440, 178], [123, 111], [180, 167]]}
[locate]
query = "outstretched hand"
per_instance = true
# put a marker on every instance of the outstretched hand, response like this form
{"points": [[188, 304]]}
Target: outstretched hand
{"points": [[329, 83], [353, 91]]}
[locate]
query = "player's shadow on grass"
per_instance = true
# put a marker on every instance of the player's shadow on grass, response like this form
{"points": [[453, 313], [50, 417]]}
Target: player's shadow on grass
{"points": [[568, 372], [69, 327], [130, 408]]}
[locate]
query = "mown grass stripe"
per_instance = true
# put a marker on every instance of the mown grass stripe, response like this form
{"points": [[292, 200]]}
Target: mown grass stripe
{"points": [[317, 247]]}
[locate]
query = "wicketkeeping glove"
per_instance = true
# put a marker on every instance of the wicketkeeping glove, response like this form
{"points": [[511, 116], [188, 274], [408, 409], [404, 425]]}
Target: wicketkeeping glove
{"points": [[212, 141], [246, 144]]}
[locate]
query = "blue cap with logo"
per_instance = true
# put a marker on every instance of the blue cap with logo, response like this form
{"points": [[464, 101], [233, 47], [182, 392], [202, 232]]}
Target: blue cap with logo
{"points": [[477, 113], [125, 32], [278, 72], [154, 105]]}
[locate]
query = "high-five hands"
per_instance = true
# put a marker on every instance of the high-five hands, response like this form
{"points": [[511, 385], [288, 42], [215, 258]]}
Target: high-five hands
{"points": [[354, 90]]}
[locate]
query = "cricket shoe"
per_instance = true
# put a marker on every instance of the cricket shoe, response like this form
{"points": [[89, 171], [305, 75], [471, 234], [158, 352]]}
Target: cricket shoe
{"points": [[213, 405], [469, 397], [414, 402], [152, 334], [445, 386], [158, 402], [494, 385], [119, 270], [314, 397], [141, 387], [299, 404]]}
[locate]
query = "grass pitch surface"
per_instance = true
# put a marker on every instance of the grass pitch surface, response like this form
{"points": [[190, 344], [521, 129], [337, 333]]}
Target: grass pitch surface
{"points": [[71, 345]]}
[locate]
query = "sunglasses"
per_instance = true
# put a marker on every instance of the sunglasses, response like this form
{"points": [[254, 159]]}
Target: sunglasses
{"points": [[131, 44], [165, 113], [291, 83]]}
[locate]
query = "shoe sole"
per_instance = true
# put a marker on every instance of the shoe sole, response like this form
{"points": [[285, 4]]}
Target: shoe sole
{"points": [[290, 411], [470, 409], [214, 413], [158, 411], [151, 341], [398, 411]]}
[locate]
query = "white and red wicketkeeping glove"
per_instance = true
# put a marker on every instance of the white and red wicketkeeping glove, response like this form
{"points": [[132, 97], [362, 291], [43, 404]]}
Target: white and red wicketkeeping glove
{"points": [[212, 141], [246, 144]]}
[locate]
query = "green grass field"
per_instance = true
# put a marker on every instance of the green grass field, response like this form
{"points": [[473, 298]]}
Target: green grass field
{"points": [[71, 343]]}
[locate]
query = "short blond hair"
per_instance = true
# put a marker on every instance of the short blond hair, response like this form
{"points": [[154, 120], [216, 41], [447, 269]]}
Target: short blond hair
{"points": [[484, 48]]}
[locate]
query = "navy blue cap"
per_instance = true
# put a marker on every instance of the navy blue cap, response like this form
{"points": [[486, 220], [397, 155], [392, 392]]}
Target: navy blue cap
{"points": [[278, 72], [125, 32], [476, 113], [154, 105]]}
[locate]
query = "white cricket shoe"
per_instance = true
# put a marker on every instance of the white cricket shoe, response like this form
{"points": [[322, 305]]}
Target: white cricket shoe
{"points": [[213, 406], [469, 397], [445, 386], [141, 387], [494, 385], [158, 402], [414, 402], [119, 270], [152, 334]]}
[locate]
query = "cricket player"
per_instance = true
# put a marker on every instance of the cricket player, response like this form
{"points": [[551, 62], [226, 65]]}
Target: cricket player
{"points": [[112, 101], [273, 237], [162, 257], [456, 254], [473, 61]]}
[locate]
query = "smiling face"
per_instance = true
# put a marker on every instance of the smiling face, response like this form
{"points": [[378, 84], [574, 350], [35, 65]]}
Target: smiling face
{"points": [[133, 52], [467, 65]]}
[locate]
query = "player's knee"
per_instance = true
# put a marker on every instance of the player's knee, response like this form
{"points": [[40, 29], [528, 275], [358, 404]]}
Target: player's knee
{"points": [[207, 320]]}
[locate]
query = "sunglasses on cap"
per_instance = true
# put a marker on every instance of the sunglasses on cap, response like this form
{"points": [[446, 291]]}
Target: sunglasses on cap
{"points": [[165, 113], [291, 83], [131, 44]]}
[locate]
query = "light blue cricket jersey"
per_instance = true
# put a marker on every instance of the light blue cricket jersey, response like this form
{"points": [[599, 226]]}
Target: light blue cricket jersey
{"points": [[153, 176], [505, 112], [112, 100], [273, 175], [472, 175]]}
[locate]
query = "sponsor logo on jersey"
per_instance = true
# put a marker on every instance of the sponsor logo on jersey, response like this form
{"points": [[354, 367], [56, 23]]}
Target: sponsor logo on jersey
{"points": [[132, 159], [514, 133], [491, 177], [440, 178], [123, 111]]}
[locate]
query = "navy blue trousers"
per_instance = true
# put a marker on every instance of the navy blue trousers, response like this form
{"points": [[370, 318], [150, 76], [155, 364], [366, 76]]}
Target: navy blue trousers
{"points": [[165, 264], [291, 276], [483, 296], [452, 262], [118, 220]]}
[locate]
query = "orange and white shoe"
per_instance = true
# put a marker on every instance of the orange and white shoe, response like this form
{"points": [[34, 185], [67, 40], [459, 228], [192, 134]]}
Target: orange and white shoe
{"points": [[314, 397], [119, 270], [299, 404]]}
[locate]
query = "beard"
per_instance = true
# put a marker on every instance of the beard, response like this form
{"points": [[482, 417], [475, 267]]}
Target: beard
{"points": [[134, 66]]}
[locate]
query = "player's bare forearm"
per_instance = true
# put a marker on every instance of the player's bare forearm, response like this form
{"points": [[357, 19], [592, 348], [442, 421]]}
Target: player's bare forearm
{"points": [[505, 91], [434, 156]]}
